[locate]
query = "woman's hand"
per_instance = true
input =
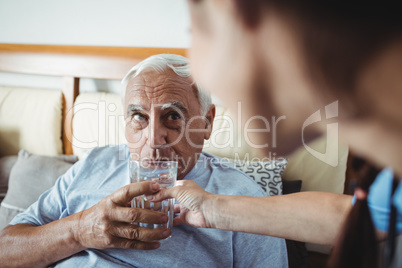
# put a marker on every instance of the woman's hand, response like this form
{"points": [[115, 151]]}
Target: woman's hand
{"points": [[193, 202]]}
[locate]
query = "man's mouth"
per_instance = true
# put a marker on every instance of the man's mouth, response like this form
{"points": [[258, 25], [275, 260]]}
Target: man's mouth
{"points": [[163, 158], [171, 157]]}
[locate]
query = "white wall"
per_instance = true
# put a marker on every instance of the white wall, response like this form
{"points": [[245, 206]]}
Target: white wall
{"points": [[155, 23], [141, 23]]}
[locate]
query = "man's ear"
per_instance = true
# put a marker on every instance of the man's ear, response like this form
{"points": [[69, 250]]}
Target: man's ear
{"points": [[209, 121]]}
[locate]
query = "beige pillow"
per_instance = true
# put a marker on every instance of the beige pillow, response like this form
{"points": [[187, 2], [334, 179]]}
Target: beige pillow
{"points": [[30, 119], [98, 121], [315, 173]]}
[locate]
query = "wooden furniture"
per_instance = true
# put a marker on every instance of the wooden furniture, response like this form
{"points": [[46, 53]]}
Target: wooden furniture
{"points": [[73, 63]]}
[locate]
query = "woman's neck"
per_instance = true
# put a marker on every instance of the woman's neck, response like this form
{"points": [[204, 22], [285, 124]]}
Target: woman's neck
{"points": [[377, 141], [379, 93]]}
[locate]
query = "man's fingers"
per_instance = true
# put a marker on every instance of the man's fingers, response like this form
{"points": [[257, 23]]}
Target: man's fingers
{"points": [[134, 232], [128, 215], [128, 192]]}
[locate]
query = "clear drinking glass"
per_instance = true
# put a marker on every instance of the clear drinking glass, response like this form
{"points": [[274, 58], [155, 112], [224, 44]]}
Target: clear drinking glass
{"points": [[163, 172]]}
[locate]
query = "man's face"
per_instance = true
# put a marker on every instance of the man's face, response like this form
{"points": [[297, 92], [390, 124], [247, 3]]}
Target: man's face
{"points": [[163, 119]]}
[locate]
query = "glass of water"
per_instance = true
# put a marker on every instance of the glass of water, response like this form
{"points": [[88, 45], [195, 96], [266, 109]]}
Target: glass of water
{"points": [[162, 172]]}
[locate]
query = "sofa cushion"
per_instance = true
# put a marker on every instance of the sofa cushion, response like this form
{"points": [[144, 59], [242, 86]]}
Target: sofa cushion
{"points": [[98, 121], [315, 173], [30, 119], [6, 163], [29, 178], [265, 173]]}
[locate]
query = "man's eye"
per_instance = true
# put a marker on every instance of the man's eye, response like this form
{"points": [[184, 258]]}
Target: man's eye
{"points": [[173, 116], [138, 117], [138, 121]]}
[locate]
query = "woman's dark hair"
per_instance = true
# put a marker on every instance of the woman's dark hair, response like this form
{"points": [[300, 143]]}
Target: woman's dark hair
{"points": [[357, 245], [337, 40]]}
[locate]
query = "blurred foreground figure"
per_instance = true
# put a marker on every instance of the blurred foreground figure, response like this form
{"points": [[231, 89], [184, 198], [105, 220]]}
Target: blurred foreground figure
{"points": [[293, 58]]}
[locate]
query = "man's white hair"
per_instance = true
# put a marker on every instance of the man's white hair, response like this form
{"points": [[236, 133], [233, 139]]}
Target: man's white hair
{"points": [[160, 63]]}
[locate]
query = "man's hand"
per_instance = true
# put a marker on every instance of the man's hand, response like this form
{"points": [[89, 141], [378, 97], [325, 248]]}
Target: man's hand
{"points": [[108, 223], [193, 200], [105, 225]]}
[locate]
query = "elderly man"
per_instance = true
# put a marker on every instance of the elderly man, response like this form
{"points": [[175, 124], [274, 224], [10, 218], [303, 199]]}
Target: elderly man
{"points": [[84, 219]]}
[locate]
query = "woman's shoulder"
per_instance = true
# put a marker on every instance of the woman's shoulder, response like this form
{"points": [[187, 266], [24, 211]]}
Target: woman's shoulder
{"points": [[379, 200]]}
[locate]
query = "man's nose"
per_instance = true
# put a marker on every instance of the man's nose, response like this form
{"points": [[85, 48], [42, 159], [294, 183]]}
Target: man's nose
{"points": [[157, 134]]}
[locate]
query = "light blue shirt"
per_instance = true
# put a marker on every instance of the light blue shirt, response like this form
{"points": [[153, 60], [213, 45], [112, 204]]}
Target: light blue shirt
{"points": [[106, 169], [379, 201]]}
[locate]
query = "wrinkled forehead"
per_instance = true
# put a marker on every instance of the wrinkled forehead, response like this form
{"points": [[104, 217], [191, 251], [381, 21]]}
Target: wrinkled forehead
{"points": [[151, 87], [153, 78]]}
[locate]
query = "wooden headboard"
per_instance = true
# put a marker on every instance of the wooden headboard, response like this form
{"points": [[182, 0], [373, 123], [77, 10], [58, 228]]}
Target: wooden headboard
{"points": [[72, 63]]}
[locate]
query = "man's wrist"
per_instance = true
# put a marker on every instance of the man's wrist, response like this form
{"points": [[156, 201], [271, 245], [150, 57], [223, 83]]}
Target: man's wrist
{"points": [[75, 230]]}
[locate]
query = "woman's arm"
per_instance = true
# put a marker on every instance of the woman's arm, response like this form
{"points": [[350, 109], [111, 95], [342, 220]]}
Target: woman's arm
{"points": [[314, 217]]}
